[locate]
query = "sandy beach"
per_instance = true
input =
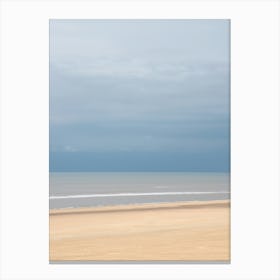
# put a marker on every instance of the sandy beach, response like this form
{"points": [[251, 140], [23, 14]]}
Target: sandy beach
{"points": [[183, 231]]}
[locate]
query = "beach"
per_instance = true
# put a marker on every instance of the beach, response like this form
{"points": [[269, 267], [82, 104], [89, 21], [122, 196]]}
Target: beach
{"points": [[182, 231]]}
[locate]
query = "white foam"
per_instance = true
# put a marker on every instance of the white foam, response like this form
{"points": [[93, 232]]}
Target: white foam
{"points": [[131, 194]]}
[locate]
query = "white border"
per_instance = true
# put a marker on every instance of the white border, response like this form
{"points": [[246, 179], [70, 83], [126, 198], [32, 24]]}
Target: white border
{"points": [[254, 130]]}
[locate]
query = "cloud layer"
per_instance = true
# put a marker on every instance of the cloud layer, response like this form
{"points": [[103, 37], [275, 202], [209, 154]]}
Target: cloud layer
{"points": [[129, 87]]}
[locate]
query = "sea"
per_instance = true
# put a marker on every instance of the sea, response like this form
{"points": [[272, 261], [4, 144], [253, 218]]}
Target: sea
{"points": [[89, 189]]}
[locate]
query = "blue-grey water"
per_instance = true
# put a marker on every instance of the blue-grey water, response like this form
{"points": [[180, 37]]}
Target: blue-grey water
{"points": [[83, 189]]}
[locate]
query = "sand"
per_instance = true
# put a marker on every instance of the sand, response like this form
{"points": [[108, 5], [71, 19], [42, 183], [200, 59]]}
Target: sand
{"points": [[188, 231]]}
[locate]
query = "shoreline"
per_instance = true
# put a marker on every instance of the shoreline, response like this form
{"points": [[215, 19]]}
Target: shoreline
{"points": [[182, 231], [138, 206]]}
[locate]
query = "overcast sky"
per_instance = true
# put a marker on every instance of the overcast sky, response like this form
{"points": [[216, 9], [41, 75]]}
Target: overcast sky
{"points": [[139, 95]]}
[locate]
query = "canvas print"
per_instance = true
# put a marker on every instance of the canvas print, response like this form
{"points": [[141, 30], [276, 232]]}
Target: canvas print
{"points": [[139, 153]]}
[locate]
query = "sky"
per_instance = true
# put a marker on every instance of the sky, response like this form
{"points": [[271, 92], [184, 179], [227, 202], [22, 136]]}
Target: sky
{"points": [[140, 95]]}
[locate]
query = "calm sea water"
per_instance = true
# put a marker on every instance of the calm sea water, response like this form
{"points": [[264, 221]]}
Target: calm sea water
{"points": [[113, 188]]}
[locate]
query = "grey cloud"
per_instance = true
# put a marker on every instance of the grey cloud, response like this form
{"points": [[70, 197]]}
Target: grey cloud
{"points": [[92, 98], [139, 86], [204, 40]]}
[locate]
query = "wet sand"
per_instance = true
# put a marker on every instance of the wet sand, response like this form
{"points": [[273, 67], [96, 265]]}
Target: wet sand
{"points": [[182, 231]]}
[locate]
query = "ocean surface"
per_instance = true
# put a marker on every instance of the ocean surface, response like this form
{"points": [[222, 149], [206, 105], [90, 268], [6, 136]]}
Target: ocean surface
{"points": [[84, 189]]}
